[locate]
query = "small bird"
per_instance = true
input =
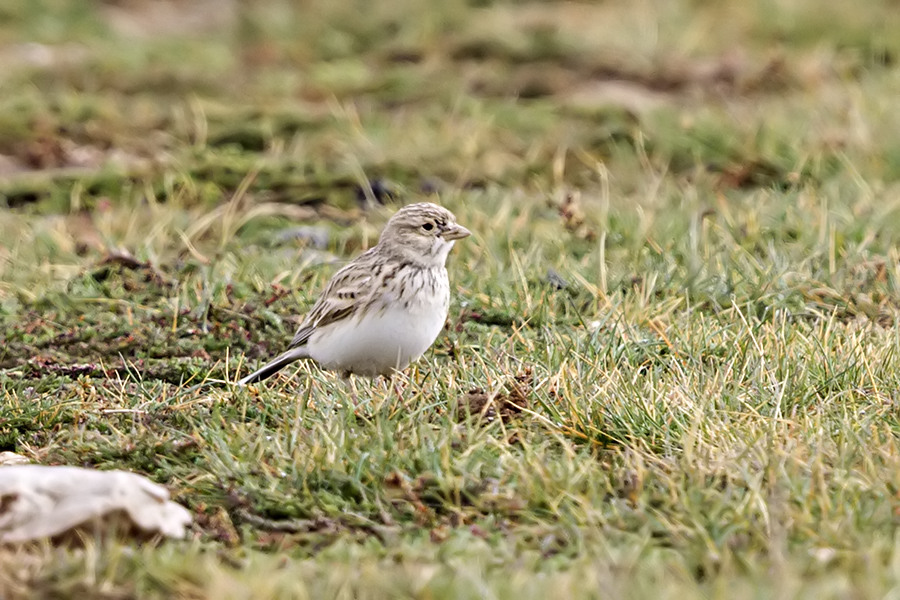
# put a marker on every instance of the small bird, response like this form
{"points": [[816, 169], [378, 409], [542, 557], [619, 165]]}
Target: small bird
{"points": [[385, 308]]}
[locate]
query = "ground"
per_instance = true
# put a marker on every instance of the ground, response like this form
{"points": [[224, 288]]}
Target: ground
{"points": [[671, 364]]}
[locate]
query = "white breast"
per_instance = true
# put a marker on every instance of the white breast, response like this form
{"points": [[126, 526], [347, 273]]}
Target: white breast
{"points": [[388, 336]]}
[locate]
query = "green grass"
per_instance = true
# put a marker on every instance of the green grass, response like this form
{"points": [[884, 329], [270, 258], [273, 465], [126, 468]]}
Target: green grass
{"points": [[671, 364]]}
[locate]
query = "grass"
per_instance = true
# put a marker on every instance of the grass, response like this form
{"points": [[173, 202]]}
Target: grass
{"points": [[671, 363]]}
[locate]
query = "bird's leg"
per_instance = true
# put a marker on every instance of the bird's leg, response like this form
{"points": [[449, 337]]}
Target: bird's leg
{"points": [[354, 395], [394, 387], [398, 385]]}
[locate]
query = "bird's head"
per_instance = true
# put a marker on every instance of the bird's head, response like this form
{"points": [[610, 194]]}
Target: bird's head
{"points": [[423, 233]]}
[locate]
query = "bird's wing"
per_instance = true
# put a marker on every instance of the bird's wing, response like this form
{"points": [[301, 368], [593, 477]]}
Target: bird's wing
{"points": [[343, 295]]}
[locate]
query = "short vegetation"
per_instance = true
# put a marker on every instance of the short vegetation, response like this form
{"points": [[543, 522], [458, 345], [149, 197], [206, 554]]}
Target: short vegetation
{"points": [[672, 361]]}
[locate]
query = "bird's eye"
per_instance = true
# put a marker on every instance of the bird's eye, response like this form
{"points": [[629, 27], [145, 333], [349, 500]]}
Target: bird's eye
{"points": [[428, 226]]}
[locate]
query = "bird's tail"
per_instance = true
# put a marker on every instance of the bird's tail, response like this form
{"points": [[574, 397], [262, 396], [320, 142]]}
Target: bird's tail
{"points": [[276, 365]]}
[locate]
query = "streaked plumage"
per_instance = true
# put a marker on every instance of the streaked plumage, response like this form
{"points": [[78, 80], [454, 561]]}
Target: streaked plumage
{"points": [[384, 309]]}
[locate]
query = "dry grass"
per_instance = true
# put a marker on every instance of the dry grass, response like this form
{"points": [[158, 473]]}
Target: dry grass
{"points": [[671, 364]]}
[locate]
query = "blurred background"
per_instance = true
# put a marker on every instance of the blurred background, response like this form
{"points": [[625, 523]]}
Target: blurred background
{"points": [[322, 97]]}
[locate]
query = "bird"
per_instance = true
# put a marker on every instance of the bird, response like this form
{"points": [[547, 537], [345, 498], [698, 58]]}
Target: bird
{"points": [[386, 307]]}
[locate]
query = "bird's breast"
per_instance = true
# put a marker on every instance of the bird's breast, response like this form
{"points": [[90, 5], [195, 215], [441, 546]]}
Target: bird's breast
{"points": [[389, 331]]}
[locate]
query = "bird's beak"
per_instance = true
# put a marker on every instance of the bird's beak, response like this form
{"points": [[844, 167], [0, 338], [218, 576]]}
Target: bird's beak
{"points": [[456, 232]]}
